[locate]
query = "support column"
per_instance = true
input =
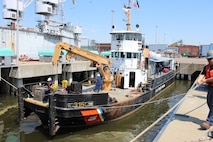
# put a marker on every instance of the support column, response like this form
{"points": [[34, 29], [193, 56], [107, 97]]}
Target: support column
{"points": [[42, 78], [182, 76], [64, 75], [189, 77], [56, 79], [177, 76], [69, 77], [5, 75], [19, 82], [85, 76], [52, 115], [91, 77], [12, 90], [20, 105], [92, 74]]}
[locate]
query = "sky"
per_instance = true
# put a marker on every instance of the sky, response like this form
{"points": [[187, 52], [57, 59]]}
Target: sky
{"points": [[161, 21]]}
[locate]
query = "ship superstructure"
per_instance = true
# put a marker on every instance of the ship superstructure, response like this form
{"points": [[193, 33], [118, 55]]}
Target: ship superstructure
{"points": [[48, 32], [127, 54]]}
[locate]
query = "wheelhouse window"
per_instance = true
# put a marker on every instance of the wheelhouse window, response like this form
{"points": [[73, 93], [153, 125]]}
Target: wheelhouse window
{"points": [[112, 54], [122, 55], [128, 37], [128, 55], [139, 37], [113, 37], [119, 36], [117, 54], [135, 55]]}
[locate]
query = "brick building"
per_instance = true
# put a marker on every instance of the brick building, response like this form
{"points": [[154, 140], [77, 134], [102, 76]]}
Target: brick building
{"points": [[187, 50], [101, 47]]}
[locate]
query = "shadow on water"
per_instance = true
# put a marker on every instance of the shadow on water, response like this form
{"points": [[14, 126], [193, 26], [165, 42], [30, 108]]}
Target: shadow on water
{"points": [[120, 131]]}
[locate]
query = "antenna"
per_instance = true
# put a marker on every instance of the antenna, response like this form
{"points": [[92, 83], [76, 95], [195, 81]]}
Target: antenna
{"points": [[112, 16], [62, 13]]}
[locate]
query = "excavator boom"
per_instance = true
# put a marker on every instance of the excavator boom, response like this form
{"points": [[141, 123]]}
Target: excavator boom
{"points": [[78, 51]]}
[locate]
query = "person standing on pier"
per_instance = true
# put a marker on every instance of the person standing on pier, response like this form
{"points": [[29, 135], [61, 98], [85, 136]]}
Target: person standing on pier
{"points": [[206, 77]]}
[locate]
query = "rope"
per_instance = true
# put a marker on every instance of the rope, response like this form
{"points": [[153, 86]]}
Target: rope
{"points": [[183, 68], [85, 79], [113, 107], [193, 87], [149, 102]]}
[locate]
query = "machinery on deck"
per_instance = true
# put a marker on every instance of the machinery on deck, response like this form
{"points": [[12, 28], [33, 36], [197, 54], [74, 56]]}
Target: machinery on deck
{"points": [[102, 63]]}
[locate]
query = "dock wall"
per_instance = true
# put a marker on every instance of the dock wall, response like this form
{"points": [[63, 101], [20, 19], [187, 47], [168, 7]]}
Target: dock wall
{"points": [[189, 68], [189, 71]]}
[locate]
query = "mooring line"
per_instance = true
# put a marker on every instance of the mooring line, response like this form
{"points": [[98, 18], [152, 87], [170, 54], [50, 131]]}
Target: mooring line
{"points": [[183, 68], [158, 120], [149, 102]]}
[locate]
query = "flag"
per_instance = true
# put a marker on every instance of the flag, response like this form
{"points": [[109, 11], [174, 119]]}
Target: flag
{"points": [[125, 9], [124, 6], [136, 4]]}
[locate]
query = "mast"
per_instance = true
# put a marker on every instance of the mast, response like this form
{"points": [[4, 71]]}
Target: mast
{"points": [[128, 19], [128, 14]]}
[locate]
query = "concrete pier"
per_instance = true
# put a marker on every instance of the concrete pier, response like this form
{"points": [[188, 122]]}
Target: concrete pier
{"points": [[20, 72], [184, 126], [189, 68]]}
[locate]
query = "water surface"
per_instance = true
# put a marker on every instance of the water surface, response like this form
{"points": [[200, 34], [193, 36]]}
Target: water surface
{"points": [[123, 130]]}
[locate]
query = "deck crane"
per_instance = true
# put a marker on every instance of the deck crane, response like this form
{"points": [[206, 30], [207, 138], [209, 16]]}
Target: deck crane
{"points": [[102, 63]]}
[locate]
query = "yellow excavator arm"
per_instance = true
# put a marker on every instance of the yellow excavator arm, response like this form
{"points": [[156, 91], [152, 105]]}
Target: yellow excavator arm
{"points": [[102, 63]]}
